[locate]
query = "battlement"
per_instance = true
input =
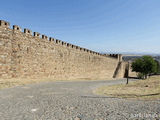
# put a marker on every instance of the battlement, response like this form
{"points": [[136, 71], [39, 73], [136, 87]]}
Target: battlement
{"points": [[27, 31], [45, 37], [117, 56], [4, 24], [52, 39], [17, 28], [32, 54], [36, 34]]}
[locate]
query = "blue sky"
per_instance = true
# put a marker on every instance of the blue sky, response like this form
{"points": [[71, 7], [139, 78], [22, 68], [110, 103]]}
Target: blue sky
{"points": [[109, 26]]}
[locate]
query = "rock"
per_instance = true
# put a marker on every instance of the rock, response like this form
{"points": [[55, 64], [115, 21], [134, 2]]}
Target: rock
{"points": [[77, 118]]}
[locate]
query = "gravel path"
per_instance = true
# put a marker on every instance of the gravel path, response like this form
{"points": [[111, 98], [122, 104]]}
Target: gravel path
{"points": [[72, 101]]}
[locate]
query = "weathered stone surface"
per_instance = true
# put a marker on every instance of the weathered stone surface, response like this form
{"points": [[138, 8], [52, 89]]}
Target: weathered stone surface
{"points": [[24, 55]]}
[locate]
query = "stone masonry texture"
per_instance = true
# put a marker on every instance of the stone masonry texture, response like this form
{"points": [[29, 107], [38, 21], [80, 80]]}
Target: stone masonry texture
{"points": [[25, 55]]}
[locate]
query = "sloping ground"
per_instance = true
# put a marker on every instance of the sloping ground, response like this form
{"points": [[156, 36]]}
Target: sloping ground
{"points": [[71, 101], [144, 89]]}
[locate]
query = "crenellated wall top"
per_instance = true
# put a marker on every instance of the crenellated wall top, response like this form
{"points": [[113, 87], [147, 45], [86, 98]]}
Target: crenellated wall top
{"points": [[17, 29]]}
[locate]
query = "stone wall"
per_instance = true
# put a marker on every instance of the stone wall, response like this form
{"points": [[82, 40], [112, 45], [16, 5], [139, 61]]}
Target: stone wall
{"points": [[25, 55]]}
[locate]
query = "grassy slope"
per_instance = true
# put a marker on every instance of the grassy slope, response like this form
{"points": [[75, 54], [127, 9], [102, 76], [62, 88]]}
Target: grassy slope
{"points": [[143, 89]]}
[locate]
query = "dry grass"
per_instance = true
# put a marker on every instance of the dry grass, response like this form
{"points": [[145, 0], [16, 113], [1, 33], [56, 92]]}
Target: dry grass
{"points": [[143, 89], [7, 83]]}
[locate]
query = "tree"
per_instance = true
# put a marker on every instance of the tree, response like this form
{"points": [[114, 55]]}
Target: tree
{"points": [[158, 67], [146, 65]]}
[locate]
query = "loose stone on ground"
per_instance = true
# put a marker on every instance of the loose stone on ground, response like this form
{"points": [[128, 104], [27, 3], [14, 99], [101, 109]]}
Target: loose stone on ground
{"points": [[72, 101]]}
